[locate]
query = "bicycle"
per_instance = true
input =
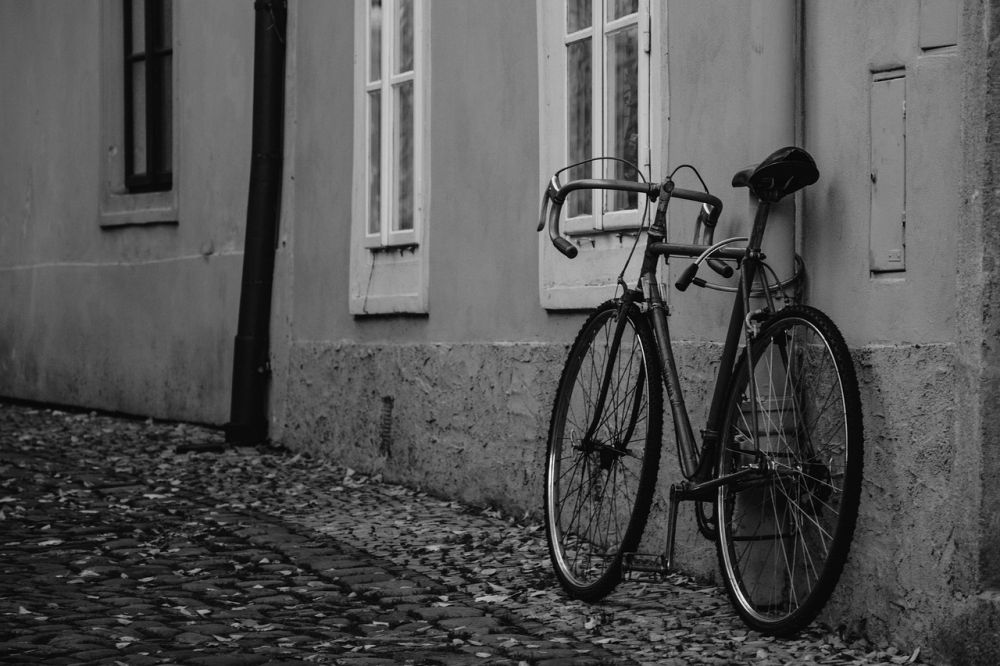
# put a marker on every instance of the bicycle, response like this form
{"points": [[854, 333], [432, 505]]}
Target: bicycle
{"points": [[776, 481]]}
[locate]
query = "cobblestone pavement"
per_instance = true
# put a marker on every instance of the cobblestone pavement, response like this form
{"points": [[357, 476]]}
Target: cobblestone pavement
{"points": [[118, 549]]}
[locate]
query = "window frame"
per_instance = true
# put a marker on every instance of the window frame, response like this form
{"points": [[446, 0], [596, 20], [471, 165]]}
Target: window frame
{"points": [[158, 119], [386, 85], [389, 268], [603, 240], [118, 205], [598, 31]]}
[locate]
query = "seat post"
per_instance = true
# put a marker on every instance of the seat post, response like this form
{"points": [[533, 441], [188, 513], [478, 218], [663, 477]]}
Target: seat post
{"points": [[759, 223]]}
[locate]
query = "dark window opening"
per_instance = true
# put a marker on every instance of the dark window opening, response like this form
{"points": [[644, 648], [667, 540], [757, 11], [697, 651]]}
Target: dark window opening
{"points": [[148, 95]]}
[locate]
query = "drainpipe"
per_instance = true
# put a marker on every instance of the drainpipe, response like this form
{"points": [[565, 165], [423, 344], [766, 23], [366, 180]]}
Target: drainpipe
{"points": [[251, 365], [774, 31]]}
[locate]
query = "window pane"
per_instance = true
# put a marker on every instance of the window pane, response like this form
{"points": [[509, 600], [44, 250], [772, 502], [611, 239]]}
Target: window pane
{"points": [[375, 40], [579, 123], [374, 162], [622, 106], [137, 29], [166, 138], [619, 8], [404, 34], [403, 162], [578, 15], [139, 117]]}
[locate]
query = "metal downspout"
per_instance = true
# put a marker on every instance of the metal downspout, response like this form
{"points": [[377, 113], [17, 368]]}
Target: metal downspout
{"points": [[248, 422]]}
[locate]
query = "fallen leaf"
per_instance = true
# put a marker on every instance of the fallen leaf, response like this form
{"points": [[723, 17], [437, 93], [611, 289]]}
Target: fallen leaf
{"points": [[493, 598]]}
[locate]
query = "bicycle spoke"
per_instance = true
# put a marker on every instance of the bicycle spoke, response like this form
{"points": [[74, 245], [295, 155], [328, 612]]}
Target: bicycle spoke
{"points": [[599, 452], [782, 540]]}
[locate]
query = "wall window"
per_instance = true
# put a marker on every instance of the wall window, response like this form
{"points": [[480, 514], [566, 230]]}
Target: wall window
{"points": [[148, 113], [139, 135], [604, 104], [596, 82], [388, 263], [392, 79]]}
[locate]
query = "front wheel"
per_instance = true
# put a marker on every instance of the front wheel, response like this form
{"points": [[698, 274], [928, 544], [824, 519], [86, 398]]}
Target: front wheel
{"points": [[793, 429], [601, 464]]}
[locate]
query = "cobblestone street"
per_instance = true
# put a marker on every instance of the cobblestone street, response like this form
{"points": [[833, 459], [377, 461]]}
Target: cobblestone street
{"points": [[119, 549]]}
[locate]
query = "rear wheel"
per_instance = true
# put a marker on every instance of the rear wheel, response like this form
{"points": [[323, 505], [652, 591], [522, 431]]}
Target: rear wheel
{"points": [[794, 427], [599, 480]]}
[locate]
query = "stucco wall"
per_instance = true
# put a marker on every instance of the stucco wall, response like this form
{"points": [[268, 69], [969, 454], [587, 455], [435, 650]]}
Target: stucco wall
{"points": [[457, 402], [916, 554], [846, 43], [136, 318], [141, 318], [483, 280]]}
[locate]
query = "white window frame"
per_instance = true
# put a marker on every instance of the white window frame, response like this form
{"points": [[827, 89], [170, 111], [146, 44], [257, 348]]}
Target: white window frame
{"points": [[118, 206], [602, 237], [597, 32], [389, 271]]}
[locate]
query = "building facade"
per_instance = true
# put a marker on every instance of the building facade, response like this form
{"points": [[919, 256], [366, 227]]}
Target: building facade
{"points": [[419, 323]]}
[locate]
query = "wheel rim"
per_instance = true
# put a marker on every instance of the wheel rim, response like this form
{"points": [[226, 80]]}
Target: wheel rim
{"points": [[780, 531], [593, 483]]}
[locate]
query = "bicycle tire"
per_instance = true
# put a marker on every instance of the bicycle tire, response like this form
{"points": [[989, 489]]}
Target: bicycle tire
{"points": [[598, 492], [785, 531]]}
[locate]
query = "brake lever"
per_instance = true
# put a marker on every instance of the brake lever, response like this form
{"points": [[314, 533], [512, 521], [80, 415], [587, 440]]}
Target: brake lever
{"points": [[547, 193]]}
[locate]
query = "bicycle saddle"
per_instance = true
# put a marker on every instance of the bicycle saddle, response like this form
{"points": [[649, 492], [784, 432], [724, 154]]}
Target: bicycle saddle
{"points": [[781, 173]]}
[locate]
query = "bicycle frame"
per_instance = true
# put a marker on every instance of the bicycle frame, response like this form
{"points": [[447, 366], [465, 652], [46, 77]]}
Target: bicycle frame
{"points": [[775, 476], [696, 466]]}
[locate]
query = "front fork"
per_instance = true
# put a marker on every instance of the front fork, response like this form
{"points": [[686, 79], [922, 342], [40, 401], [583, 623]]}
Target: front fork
{"points": [[621, 322]]}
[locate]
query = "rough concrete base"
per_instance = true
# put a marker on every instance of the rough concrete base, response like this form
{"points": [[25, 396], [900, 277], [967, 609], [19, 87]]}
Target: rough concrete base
{"points": [[912, 547], [972, 636], [460, 420], [469, 421]]}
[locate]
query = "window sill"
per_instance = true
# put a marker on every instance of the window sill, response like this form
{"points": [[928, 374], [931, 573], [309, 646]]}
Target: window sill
{"points": [[402, 248], [119, 210], [388, 280]]}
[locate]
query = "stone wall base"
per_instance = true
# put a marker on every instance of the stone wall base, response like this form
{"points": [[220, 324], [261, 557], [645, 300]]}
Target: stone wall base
{"points": [[468, 421]]}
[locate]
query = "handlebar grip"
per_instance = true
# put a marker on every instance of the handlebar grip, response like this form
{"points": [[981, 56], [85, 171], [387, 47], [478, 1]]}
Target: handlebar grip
{"points": [[723, 269], [565, 247], [684, 281]]}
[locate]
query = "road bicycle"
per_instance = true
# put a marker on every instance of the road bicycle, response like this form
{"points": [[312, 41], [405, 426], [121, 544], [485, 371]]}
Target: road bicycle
{"points": [[776, 481]]}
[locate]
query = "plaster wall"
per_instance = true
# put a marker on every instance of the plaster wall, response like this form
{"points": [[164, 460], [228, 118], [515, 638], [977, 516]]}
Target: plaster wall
{"points": [[465, 390], [845, 44], [140, 318], [915, 554], [133, 318], [457, 401], [483, 280]]}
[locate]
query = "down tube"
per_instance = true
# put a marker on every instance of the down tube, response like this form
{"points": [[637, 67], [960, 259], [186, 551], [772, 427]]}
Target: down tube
{"points": [[686, 448]]}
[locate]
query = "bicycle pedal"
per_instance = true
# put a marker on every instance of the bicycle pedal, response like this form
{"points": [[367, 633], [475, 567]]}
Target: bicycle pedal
{"points": [[637, 566]]}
